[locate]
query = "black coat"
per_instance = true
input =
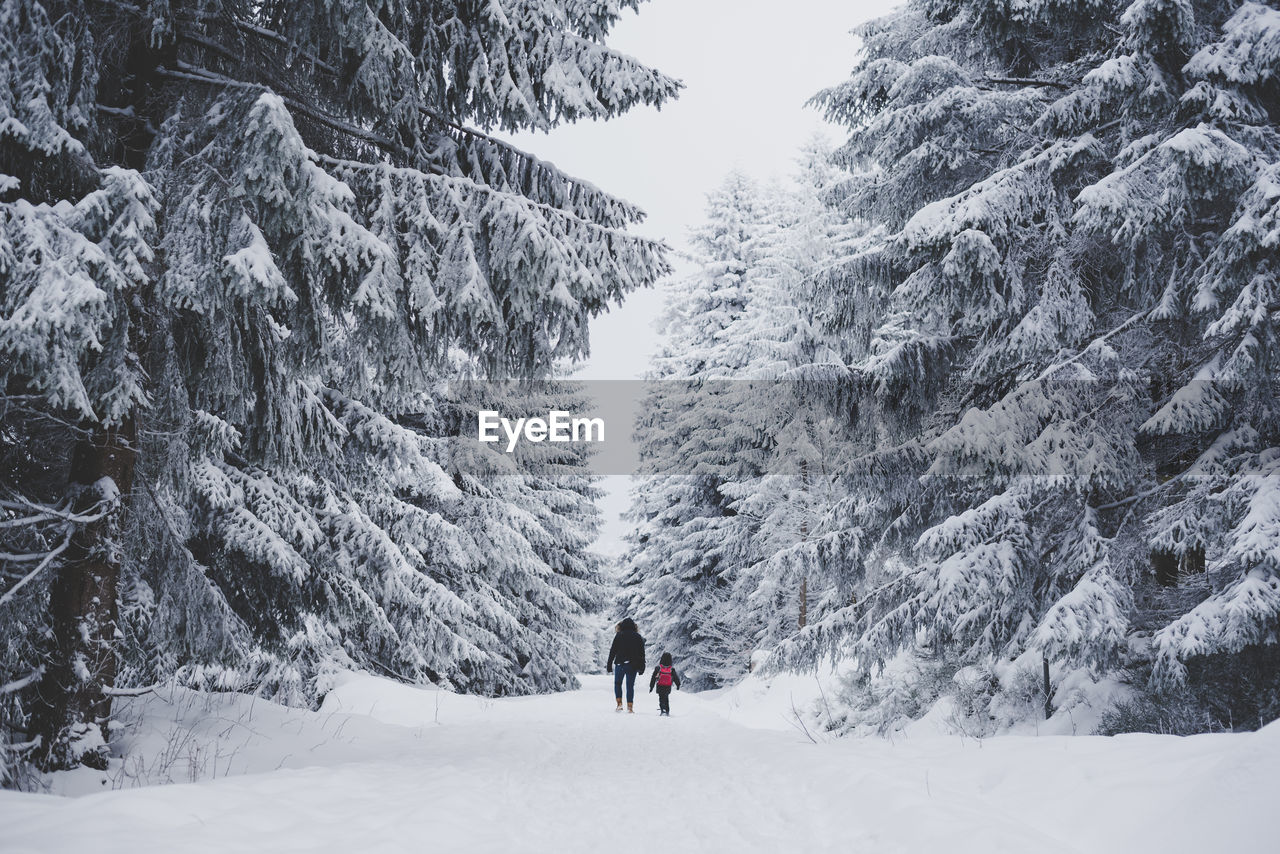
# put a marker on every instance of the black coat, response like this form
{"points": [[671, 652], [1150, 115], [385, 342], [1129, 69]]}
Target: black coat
{"points": [[628, 647]]}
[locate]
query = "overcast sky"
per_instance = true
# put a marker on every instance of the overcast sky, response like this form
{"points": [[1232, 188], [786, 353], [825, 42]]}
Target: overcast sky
{"points": [[748, 67]]}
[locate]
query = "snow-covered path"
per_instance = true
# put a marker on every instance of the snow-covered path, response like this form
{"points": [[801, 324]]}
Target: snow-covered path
{"points": [[388, 768]]}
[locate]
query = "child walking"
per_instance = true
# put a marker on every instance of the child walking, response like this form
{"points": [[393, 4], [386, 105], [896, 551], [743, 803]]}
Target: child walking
{"points": [[664, 676]]}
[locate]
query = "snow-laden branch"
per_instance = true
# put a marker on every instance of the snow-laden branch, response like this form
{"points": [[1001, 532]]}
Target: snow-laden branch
{"points": [[1057, 366], [200, 75], [1138, 496], [319, 64], [186, 71], [430, 114], [20, 746], [457, 182], [44, 513], [10, 557], [19, 684], [30, 576], [27, 520]]}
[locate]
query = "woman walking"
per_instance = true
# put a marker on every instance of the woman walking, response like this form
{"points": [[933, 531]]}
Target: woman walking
{"points": [[626, 659]]}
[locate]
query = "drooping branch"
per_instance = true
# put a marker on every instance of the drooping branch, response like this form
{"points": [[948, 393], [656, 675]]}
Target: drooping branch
{"points": [[426, 112], [474, 186], [207, 42], [201, 75]]}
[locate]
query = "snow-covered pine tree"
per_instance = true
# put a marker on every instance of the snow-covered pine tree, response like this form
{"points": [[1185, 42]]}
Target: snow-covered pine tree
{"points": [[1218, 513], [1074, 308], [679, 568], [525, 569], [241, 240], [789, 571], [76, 241], [728, 405]]}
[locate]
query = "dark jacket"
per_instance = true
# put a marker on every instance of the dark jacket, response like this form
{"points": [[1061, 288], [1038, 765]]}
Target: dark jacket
{"points": [[628, 647], [653, 680]]}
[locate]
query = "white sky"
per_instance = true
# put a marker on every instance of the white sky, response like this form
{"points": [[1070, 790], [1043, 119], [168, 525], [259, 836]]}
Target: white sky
{"points": [[748, 67]]}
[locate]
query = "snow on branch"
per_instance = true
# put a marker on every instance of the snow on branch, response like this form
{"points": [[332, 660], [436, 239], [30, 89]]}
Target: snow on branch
{"points": [[45, 513], [454, 182], [565, 82], [201, 75], [30, 576], [18, 684]]}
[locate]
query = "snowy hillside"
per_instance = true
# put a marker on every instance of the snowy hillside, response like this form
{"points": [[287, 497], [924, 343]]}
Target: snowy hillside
{"points": [[382, 767]]}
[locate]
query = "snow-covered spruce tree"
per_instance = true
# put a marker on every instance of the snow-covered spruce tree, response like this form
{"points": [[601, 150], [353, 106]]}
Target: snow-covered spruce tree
{"points": [[678, 571], [1076, 303], [240, 240], [790, 571], [727, 407], [74, 266], [523, 567]]}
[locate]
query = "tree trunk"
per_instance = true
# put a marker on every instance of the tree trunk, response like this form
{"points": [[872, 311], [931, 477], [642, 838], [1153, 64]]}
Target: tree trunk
{"points": [[73, 703], [804, 601], [804, 538], [1048, 690]]}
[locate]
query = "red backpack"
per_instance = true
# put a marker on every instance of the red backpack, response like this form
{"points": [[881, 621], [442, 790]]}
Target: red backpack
{"points": [[664, 677]]}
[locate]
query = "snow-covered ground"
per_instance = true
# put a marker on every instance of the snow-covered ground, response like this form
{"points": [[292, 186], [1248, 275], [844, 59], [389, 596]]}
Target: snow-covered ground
{"points": [[384, 767]]}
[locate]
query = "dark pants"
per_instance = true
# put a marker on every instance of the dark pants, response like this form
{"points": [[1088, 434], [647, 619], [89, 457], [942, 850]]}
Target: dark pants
{"points": [[664, 698], [628, 671]]}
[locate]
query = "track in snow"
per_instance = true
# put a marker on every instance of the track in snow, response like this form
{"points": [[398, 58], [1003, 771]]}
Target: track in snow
{"points": [[385, 768]]}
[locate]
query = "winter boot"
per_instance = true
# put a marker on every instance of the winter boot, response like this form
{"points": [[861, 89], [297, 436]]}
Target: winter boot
{"points": [[630, 710], [619, 705]]}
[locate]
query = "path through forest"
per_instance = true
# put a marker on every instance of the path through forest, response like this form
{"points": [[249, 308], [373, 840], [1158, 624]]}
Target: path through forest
{"points": [[385, 768]]}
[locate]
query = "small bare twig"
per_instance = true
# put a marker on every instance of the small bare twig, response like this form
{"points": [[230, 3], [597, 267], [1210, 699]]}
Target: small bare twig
{"points": [[798, 722], [112, 691], [825, 705]]}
